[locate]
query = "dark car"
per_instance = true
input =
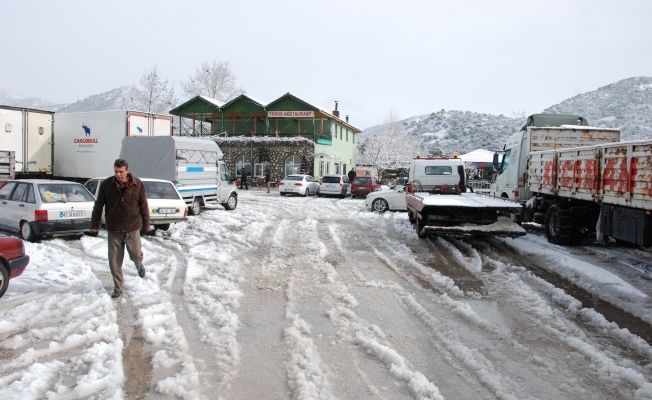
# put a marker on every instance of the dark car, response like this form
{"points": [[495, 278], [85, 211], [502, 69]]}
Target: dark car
{"points": [[363, 185], [13, 261]]}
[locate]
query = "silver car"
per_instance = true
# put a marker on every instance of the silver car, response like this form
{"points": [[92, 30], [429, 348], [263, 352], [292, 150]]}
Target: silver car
{"points": [[334, 185], [37, 208]]}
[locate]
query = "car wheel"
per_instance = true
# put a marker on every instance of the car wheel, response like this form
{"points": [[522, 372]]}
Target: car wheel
{"points": [[319, 194], [282, 193], [163, 227], [307, 193], [195, 208], [26, 232], [380, 205], [4, 279], [231, 203]]}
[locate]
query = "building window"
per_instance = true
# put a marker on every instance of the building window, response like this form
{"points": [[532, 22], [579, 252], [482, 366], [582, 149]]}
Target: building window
{"points": [[354, 138], [347, 135], [337, 168], [260, 167], [292, 165], [328, 167], [321, 169], [242, 162]]}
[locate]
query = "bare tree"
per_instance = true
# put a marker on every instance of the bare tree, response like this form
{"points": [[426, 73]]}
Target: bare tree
{"points": [[390, 147], [153, 95], [214, 80]]}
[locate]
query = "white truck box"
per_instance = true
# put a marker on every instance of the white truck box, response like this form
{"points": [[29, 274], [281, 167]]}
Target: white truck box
{"points": [[28, 133], [194, 165], [87, 143]]}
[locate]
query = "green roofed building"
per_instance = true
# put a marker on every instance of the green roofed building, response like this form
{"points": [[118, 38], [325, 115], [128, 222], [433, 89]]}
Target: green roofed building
{"points": [[288, 135]]}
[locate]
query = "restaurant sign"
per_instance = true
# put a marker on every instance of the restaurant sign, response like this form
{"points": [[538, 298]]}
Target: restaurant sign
{"points": [[290, 114], [328, 142]]}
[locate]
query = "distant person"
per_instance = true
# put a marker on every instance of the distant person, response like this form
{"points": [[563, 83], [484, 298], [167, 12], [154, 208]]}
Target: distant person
{"points": [[351, 175], [243, 179], [124, 199], [268, 179]]}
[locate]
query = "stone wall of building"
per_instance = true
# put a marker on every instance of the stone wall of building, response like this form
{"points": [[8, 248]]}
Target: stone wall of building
{"points": [[278, 150]]}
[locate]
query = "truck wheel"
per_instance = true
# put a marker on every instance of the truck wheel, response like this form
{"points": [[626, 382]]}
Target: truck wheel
{"points": [[419, 226], [561, 228], [26, 232], [4, 279], [195, 208], [231, 203]]}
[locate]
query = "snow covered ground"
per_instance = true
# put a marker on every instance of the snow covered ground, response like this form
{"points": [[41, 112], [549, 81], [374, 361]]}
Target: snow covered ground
{"points": [[304, 298]]}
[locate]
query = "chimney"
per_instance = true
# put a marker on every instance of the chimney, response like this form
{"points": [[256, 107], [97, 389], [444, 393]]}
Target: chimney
{"points": [[347, 119], [335, 112]]}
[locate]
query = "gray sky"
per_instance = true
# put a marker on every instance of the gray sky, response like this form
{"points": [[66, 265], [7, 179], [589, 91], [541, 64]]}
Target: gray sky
{"points": [[415, 57]]}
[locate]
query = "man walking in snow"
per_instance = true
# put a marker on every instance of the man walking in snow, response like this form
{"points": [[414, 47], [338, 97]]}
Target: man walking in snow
{"points": [[124, 199], [268, 179], [351, 175], [243, 179]]}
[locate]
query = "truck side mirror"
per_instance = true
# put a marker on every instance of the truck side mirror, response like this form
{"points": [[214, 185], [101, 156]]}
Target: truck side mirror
{"points": [[496, 163]]}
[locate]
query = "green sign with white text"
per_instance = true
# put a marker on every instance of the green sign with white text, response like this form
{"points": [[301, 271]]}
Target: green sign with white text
{"points": [[328, 142]]}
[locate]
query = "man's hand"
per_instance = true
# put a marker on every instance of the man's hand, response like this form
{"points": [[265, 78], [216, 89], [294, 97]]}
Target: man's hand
{"points": [[95, 230]]}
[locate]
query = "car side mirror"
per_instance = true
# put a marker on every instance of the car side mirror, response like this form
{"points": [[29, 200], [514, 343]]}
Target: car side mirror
{"points": [[496, 163]]}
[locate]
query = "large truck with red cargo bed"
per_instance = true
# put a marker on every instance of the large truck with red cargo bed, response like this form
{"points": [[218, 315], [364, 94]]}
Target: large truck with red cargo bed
{"points": [[578, 181]]}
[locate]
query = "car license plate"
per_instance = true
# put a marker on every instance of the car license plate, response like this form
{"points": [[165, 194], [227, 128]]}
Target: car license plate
{"points": [[167, 210], [330, 186], [362, 187], [289, 190], [70, 214]]}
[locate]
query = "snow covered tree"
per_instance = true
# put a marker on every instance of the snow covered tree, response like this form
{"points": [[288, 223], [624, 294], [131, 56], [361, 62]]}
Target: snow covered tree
{"points": [[390, 147], [214, 80], [152, 96]]}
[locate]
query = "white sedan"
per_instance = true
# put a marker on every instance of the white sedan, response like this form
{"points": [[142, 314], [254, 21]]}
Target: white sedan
{"points": [[165, 203], [392, 199], [303, 185]]}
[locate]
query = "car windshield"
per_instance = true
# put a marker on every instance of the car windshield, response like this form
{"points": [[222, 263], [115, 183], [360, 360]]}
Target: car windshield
{"points": [[293, 178], [331, 179], [63, 192], [160, 190], [359, 180]]}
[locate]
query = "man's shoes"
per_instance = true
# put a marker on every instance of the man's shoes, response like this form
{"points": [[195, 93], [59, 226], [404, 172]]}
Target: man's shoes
{"points": [[116, 294], [141, 271]]}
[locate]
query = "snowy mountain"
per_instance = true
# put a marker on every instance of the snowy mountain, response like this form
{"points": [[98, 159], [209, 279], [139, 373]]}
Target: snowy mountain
{"points": [[10, 98], [626, 104], [111, 100]]}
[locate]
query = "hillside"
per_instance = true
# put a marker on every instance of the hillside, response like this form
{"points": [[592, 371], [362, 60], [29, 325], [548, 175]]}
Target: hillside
{"points": [[110, 100], [10, 98], [626, 104]]}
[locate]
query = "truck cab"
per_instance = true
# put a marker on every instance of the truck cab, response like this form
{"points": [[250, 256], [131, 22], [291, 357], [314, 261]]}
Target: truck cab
{"points": [[510, 165]]}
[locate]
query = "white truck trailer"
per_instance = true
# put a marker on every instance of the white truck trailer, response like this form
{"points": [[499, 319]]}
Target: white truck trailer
{"points": [[194, 165], [578, 180], [28, 134], [87, 143]]}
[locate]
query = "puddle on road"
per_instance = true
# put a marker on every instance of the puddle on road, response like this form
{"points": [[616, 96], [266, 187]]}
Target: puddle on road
{"points": [[610, 312]]}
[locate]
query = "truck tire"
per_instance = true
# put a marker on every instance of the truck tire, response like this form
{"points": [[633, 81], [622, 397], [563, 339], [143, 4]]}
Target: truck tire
{"points": [[561, 228], [4, 279], [411, 217], [419, 226], [195, 207], [231, 203]]}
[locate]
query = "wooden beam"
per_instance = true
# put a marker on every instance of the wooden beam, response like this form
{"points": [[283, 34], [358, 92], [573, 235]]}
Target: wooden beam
{"points": [[299, 125], [255, 120], [276, 126], [234, 124], [321, 125]]}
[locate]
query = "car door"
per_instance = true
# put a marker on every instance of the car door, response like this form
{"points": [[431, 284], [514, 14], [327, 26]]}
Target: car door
{"points": [[399, 199], [312, 184], [15, 207], [93, 185], [225, 183], [5, 194]]}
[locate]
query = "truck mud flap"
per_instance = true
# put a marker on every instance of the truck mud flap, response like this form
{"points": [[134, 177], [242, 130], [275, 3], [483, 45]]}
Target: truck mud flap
{"points": [[499, 229]]}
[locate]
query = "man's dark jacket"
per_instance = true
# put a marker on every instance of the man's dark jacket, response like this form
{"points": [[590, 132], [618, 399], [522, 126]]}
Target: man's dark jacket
{"points": [[123, 212]]}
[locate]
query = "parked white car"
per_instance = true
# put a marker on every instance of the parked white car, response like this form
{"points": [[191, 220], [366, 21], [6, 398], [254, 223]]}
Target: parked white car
{"points": [[165, 203], [37, 208], [303, 185], [384, 200], [334, 185]]}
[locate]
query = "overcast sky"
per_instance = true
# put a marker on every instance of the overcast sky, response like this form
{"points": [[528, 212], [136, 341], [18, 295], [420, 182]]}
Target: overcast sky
{"points": [[498, 57]]}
